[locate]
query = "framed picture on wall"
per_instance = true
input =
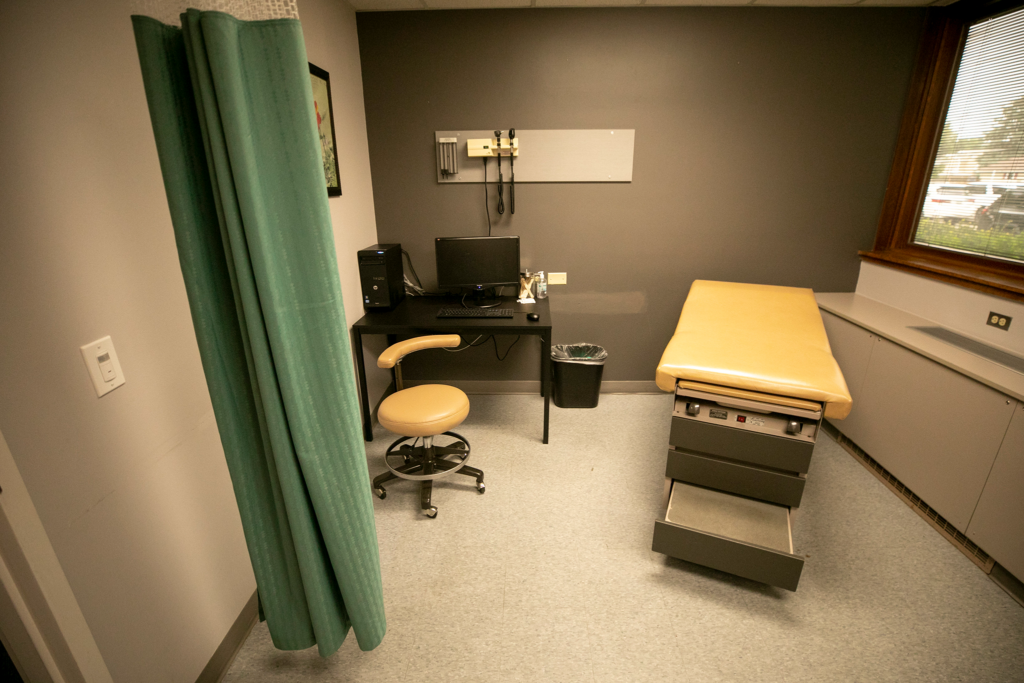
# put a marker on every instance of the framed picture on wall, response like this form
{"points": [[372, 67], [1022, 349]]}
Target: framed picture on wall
{"points": [[321, 83]]}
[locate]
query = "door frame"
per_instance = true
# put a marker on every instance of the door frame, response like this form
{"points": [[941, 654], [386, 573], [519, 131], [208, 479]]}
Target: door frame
{"points": [[41, 623]]}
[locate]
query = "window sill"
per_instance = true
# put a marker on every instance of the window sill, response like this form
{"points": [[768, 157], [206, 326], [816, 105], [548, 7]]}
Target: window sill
{"points": [[1001, 282]]}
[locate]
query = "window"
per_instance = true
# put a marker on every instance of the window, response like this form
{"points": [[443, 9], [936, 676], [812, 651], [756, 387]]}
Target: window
{"points": [[954, 208], [982, 140]]}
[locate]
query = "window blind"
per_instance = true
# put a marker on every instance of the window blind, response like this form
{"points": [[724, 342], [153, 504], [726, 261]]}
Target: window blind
{"points": [[975, 197]]}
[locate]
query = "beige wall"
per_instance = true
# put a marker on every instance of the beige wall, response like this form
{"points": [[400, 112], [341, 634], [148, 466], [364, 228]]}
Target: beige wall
{"points": [[331, 43], [41, 624], [132, 488]]}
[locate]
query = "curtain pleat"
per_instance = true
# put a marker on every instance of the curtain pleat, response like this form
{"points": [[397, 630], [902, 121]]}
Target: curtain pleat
{"points": [[233, 118]]}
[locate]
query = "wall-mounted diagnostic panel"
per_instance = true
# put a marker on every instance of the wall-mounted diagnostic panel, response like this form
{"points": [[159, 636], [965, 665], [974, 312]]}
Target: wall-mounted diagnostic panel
{"points": [[492, 147], [540, 156]]}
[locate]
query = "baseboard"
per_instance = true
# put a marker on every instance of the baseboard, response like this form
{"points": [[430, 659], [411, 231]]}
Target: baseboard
{"points": [[533, 386], [1008, 582], [228, 649], [631, 387]]}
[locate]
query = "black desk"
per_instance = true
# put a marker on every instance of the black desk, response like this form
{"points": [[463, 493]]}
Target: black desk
{"points": [[417, 315]]}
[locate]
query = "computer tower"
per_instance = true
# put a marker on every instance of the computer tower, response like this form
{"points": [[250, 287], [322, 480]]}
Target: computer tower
{"points": [[381, 275]]}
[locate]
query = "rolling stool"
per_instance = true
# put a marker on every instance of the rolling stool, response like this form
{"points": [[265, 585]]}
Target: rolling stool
{"points": [[423, 412]]}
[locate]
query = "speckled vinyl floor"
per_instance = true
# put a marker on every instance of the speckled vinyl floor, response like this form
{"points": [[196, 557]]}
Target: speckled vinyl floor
{"points": [[549, 576]]}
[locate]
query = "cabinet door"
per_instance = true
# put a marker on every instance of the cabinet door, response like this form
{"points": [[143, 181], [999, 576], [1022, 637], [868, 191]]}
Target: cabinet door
{"points": [[934, 429], [998, 523], [851, 347]]}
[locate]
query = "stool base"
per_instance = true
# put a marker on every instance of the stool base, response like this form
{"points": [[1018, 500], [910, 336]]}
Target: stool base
{"points": [[425, 464]]}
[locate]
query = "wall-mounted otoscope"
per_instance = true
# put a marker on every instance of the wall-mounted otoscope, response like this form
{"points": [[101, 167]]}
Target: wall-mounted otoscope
{"points": [[511, 170], [501, 189], [484, 147]]}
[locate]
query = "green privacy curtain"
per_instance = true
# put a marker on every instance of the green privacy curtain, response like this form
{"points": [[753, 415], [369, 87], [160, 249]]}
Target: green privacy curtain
{"points": [[232, 113]]}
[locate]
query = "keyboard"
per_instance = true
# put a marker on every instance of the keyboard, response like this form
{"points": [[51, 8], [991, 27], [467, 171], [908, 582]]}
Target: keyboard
{"points": [[459, 312]]}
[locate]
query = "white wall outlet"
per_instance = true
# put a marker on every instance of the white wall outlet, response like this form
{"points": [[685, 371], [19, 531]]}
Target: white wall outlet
{"points": [[104, 368], [556, 278]]}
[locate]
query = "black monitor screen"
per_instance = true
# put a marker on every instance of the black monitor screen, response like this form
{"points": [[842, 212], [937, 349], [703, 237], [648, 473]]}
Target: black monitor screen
{"points": [[477, 261]]}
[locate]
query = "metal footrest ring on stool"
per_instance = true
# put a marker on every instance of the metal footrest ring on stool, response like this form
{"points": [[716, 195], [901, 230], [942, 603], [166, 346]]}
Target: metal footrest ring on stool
{"points": [[412, 453], [425, 464]]}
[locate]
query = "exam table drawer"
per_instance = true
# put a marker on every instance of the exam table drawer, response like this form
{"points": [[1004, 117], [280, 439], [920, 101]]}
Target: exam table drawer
{"points": [[738, 535], [735, 477], [761, 449]]}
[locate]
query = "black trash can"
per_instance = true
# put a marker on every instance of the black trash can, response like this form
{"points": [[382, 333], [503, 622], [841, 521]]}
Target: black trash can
{"points": [[577, 374]]}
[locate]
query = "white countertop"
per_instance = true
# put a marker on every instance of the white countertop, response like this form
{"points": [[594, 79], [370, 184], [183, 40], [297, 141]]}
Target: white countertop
{"points": [[897, 326]]}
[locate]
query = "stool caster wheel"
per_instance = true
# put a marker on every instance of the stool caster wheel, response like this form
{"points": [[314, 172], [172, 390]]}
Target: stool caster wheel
{"points": [[431, 511], [480, 488], [381, 493]]}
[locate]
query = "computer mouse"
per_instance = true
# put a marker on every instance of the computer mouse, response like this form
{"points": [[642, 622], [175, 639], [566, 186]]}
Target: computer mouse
{"points": [[532, 317]]}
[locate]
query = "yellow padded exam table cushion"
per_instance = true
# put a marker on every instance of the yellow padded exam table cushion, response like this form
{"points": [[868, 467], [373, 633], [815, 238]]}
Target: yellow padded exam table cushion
{"points": [[755, 337]]}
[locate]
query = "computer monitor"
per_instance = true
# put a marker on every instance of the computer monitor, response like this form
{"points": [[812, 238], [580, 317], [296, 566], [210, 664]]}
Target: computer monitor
{"points": [[477, 262]]}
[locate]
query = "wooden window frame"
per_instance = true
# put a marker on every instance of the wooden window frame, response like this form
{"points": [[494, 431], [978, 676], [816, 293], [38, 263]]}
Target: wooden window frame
{"points": [[931, 88]]}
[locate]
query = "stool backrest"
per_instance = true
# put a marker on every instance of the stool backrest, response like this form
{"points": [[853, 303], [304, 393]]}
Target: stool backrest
{"points": [[396, 352]]}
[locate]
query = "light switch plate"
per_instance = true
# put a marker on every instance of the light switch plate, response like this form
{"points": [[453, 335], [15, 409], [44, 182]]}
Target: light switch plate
{"points": [[556, 278], [109, 366]]}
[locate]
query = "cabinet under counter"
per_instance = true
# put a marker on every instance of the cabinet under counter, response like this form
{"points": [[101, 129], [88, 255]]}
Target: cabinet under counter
{"points": [[946, 423]]}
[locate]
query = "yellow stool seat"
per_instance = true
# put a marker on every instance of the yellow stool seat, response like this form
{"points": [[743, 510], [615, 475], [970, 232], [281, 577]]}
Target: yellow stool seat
{"points": [[425, 410]]}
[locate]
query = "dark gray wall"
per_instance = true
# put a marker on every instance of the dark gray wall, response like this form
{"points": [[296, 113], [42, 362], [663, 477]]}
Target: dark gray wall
{"points": [[764, 138]]}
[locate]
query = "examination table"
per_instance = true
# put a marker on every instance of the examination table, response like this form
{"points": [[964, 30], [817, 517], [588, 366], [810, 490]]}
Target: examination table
{"points": [[753, 375]]}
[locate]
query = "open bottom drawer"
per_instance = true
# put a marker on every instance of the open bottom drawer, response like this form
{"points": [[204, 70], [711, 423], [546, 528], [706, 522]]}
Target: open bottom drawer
{"points": [[738, 535]]}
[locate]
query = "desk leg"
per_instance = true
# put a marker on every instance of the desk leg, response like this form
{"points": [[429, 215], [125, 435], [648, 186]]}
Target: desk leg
{"points": [[542, 371], [545, 380], [364, 401], [392, 338]]}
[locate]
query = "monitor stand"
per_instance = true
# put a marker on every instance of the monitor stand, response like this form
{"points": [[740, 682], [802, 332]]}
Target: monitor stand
{"points": [[478, 299]]}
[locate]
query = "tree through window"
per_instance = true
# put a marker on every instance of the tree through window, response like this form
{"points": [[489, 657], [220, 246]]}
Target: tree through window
{"points": [[975, 197]]}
